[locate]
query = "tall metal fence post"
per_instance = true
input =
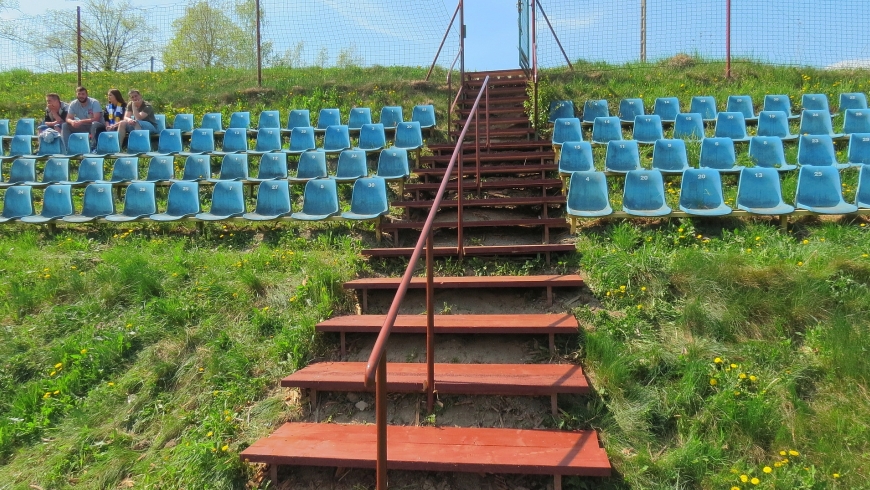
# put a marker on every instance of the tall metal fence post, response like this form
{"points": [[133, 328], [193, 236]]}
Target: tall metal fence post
{"points": [[727, 39], [259, 50], [79, 42], [643, 31]]}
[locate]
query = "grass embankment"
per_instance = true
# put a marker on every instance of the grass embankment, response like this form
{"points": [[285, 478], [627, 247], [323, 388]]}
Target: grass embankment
{"points": [[150, 357]]}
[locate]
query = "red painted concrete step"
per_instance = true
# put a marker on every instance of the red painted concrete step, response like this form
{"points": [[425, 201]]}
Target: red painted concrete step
{"points": [[561, 323], [539, 452], [452, 379], [477, 250], [569, 280]]}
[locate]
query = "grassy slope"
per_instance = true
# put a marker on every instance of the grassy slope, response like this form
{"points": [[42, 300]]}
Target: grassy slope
{"points": [[171, 344]]}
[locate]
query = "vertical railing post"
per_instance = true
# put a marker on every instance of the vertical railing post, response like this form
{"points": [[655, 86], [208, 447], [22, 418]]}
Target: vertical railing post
{"points": [[79, 42], [259, 49], [462, 42], [643, 31], [381, 421], [477, 147], [728, 39], [535, 64], [430, 324], [459, 196]]}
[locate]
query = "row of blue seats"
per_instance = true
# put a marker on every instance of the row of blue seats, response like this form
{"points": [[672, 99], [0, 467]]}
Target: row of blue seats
{"points": [[390, 118], [649, 128], [670, 156], [352, 165], [668, 107], [319, 202], [372, 138], [759, 192]]}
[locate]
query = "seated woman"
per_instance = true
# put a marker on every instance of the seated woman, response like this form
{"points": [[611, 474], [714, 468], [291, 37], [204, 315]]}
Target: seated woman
{"points": [[114, 112], [139, 115]]}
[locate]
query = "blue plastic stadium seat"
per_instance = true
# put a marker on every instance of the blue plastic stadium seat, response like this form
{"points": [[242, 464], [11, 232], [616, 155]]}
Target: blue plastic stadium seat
{"points": [[161, 122], [227, 201], [23, 170], [743, 105], [201, 142], [667, 109], [56, 203], [718, 153], [391, 116], [26, 126], [196, 168], [622, 156], [90, 170], [336, 139], [759, 192], [183, 123], [862, 195], [269, 120], [775, 123], [856, 121], [273, 201], [273, 166], [301, 140], [852, 100], [319, 201], [22, 146], [369, 199], [139, 203], [560, 109], [169, 143], [123, 170], [298, 118], [351, 166], [213, 121], [767, 151], [566, 129], [731, 125], [606, 129], [705, 105], [56, 171], [815, 102], [268, 141], [312, 165], [235, 141], [160, 169], [393, 164], [630, 109], [701, 193], [816, 122], [138, 144], [107, 145], [779, 103], [818, 150], [77, 145], [409, 136], [669, 156], [372, 137], [4, 128], [689, 125], [97, 203], [644, 194], [327, 118], [593, 109], [648, 129], [859, 149], [240, 120], [47, 149], [357, 117], [17, 203], [182, 202], [819, 190], [425, 115], [575, 156], [233, 167], [587, 195]]}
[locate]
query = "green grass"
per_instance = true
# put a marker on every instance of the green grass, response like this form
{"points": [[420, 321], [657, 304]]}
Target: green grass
{"points": [[150, 355]]}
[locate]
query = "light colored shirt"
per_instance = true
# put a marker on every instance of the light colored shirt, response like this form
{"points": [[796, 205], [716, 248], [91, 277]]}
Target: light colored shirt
{"points": [[86, 111]]}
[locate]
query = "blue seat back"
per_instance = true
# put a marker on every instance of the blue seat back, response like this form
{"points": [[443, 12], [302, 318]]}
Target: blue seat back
{"points": [[235, 139], [575, 156], [587, 193], [336, 138], [4, 127], [859, 149], [701, 189], [78, 144], [202, 140], [327, 118], [780, 103], [227, 198], [372, 137], [717, 153], [139, 200], [183, 199], [644, 190], [273, 166], [183, 122], [302, 139], [393, 164], [25, 126], [97, 201], [566, 129], [23, 170], [773, 123], [667, 108], [268, 139], [240, 120], [814, 149], [558, 109], [606, 129], [741, 104], [730, 125], [320, 197], [648, 128], [90, 170], [359, 116], [622, 156], [856, 121], [369, 197], [689, 125], [196, 167], [213, 121], [670, 155], [17, 202], [705, 105], [818, 187], [425, 115], [351, 165], [766, 151], [160, 168], [46, 148], [630, 108], [107, 143], [125, 169], [409, 135], [862, 194], [815, 102], [312, 165], [273, 198], [593, 109], [56, 170], [169, 141], [852, 100], [816, 122], [161, 122], [23, 145], [299, 118], [57, 201], [234, 167], [139, 141], [391, 116], [759, 188], [269, 120]]}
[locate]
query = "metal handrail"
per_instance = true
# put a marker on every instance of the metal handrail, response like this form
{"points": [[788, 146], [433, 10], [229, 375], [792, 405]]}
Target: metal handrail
{"points": [[377, 364]]}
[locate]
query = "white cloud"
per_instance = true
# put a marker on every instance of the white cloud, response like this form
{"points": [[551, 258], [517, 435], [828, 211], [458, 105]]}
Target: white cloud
{"points": [[846, 64]]}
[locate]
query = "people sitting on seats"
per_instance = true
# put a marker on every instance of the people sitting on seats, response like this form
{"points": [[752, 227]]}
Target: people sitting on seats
{"points": [[139, 115], [55, 115], [85, 115], [114, 112]]}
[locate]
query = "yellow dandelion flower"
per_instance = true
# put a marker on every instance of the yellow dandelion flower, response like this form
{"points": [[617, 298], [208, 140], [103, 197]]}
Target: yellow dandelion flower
{"points": [[753, 378], [777, 464], [643, 288], [836, 475], [742, 375], [736, 393], [622, 288], [56, 392], [110, 383], [767, 469], [757, 238], [733, 366], [800, 264], [84, 351], [58, 365], [718, 360], [744, 478], [52, 373], [680, 230], [713, 382], [821, 239], [209, 434], [792, 452], [228, 418], [225, 447], [784, 460], [755, 481], [806, 241]]}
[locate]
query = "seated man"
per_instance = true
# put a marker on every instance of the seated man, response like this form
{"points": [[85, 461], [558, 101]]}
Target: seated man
{"points": [[139, 115], [84, 115], [55, 116]]}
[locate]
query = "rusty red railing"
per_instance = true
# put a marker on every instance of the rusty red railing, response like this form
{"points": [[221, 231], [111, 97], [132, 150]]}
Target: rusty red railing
{"points": [[377, 363]]}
